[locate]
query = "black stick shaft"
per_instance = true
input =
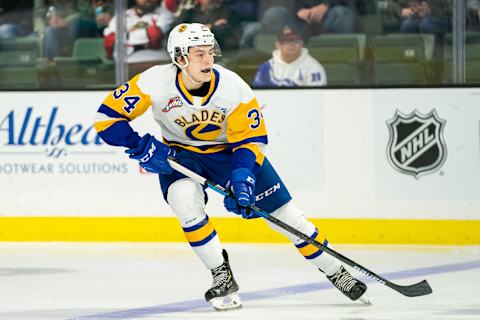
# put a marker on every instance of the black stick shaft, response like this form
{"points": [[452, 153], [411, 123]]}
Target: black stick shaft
{"points": [[414, 290]]}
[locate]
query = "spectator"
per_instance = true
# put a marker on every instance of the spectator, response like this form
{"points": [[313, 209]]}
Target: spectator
{"points": [[432, 16], [272, 22], [146, 23], [171, 5], [314, 17], [247, 10], [15, 18], [103, 14], [327, 16], [291, 64], [66, 22], [390, 14], [184, 5], [218, 17]]}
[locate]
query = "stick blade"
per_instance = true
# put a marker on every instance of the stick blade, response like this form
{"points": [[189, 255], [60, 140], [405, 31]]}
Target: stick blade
{"points": [[415, 290]]}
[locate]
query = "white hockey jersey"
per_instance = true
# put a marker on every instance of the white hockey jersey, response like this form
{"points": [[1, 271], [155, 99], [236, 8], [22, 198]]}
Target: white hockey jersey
{"points": [[228, 117], [305, 71]]}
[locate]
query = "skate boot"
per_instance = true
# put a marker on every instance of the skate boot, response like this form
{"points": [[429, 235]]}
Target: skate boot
{"points": [[223, 294], [349, 286]]}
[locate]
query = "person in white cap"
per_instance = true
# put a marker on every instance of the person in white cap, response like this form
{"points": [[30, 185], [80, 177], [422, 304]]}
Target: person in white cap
{"points": [[291, 65]]}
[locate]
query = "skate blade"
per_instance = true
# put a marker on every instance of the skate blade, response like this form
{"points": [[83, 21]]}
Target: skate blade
{"points": [[227, 303], [364, 298]]}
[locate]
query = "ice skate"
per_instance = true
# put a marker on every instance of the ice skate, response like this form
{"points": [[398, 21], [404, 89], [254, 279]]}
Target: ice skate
{"points": [[349, 286], [223, 294]]}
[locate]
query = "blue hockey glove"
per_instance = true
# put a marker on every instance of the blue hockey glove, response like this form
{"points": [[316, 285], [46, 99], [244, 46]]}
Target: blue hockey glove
{"points": [[243, 186], [152, 155]]}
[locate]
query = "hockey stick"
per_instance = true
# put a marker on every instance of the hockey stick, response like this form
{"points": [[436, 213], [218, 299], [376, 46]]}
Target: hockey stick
{"points": [[418, 289]]}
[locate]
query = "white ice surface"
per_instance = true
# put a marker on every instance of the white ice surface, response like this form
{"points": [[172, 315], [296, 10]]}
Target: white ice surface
{"points": [[167, 281]]}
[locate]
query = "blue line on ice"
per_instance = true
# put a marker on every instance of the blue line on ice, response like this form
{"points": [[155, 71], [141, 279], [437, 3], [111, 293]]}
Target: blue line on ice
{"points": [[189, 305]]}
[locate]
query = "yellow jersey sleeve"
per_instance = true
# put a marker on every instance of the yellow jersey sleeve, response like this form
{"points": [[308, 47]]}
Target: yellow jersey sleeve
{"points": [[120, 107], [246, 130]]}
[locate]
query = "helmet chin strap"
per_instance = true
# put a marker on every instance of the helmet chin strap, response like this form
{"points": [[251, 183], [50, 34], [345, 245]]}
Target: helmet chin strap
{"points": [[184, 70]]}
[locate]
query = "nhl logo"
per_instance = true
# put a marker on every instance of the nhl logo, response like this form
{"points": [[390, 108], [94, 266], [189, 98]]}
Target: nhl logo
{"points": [[416, 145]]}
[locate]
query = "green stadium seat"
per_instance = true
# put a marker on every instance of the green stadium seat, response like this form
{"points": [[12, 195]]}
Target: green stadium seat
{"points": [[19, 51], [264, 42], [18, 58], [372, 23], [342, 56], [402, 59], [89, 47], [19, 78], [246, 63], [472, 57], [88, 67]]}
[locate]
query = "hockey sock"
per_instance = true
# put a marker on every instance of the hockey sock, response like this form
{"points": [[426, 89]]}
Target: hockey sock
{"points": [[205, 242], [186, 198], [293, 216]]}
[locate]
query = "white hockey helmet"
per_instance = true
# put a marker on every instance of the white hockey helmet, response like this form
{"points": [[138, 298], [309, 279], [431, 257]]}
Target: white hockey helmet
{"points": [[187, 35]]}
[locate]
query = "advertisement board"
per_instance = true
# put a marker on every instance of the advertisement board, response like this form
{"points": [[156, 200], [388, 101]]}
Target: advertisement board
{"points": [[381, 154]]}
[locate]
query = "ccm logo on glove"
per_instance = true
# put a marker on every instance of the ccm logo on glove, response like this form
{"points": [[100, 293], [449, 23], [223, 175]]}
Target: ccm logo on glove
{"points": [[149, 153]]}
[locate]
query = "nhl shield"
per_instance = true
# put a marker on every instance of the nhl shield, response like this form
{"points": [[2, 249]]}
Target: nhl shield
{"points": [[416, 145]]}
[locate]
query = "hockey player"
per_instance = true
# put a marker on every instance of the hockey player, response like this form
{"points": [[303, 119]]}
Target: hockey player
{"points": [[211, 123]]}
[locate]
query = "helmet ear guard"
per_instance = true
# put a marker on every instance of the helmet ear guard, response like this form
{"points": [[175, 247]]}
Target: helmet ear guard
{"points": [[177, 52]]}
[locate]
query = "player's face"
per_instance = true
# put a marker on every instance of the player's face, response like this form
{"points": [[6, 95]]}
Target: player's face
{"points": [[290, 50], [200, 63]]}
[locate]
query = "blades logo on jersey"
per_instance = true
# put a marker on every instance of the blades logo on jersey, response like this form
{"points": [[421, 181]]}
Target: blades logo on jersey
{"points": [[416, 145], [174, 102], [203, 131]]}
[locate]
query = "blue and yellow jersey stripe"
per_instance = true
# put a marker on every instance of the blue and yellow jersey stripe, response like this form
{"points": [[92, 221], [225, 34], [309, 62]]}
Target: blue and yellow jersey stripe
{"points": [[200, 233], [255, 149], [309, 251], [215, 78], [246, 129], [124, 104]]}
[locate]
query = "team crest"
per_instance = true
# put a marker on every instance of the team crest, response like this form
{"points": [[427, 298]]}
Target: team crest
{"points": [[174, 102], [416, 145]]}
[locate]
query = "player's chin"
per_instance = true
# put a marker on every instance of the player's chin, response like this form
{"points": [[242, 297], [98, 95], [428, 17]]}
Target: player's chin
{"points": [[205, 75]]}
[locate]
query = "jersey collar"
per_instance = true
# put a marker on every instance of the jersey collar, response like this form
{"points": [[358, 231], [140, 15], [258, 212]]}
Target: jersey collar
{"points": [[188, 97]]}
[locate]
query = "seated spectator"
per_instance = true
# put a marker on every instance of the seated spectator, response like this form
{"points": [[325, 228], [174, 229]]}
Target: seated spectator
{"points": [[327, 16], [291, 65], [183, 5], [314, 17], [103, 14], [432, 16], [272, 22], [217, 16], [246, 9], [147, 23], [66, 22], [389, 12], [15, 18]]}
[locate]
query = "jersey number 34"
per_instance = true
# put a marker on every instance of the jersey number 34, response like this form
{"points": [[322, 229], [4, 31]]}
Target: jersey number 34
{"points": [[131, 101]]}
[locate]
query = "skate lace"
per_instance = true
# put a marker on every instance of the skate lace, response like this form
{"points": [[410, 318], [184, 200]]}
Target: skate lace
{"points": [[221, 276], [343, 280]]}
